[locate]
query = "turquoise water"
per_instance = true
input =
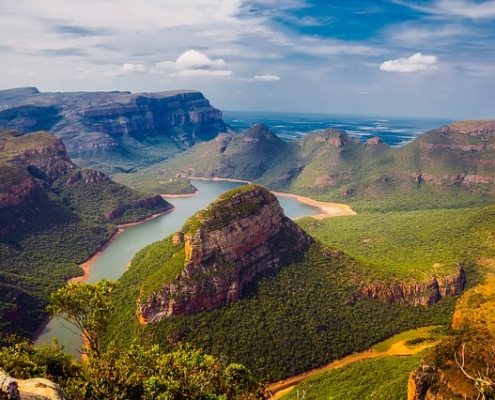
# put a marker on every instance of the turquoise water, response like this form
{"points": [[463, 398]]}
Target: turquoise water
{"points": [[114, 260]]}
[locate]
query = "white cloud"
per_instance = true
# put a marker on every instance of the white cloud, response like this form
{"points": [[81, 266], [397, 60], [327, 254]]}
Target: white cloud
{"points": [[193, 63], [189, 73], [266, 78], [129, 68], [459, 8], [417, 62]]}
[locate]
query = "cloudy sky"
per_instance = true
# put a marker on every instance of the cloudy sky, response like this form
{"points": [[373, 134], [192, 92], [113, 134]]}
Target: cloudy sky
{"points": [[418, 58]]}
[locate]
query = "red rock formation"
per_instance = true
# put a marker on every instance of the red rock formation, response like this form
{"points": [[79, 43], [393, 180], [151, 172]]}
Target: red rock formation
{"points": [[420, 293], [238, 238]]}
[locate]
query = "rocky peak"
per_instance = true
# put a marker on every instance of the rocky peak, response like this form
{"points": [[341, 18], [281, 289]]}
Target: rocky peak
{"points": [[227, 245], [260, 132]]}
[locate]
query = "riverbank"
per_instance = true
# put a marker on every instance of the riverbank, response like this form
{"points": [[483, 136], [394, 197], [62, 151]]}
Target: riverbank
{"points": [[327, 209], [86, 266]]}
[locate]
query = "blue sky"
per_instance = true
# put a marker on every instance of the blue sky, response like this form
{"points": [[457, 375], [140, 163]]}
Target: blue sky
{"points": [[427, 58]]}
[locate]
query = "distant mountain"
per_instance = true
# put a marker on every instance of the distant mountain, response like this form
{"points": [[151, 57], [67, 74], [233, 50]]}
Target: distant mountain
{"points": [[53, 215], [455, 161], [115, 131]]}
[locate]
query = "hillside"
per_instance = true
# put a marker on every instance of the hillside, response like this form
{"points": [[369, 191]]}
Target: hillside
{"points": [[53, 215], [242, 282], [114, 131], [446, 167]]}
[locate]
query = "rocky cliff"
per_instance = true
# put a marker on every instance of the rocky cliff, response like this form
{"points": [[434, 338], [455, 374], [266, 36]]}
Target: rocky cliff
{"points": [[419, 293], [235, 239], [35, 169], [115, 129]]}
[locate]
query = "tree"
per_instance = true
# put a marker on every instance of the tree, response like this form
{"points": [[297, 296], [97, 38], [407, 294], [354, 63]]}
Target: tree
{"points": [[88, 307]]}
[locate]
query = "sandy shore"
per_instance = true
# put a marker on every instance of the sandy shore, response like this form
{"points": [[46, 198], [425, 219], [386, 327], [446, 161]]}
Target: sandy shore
{"points": [[86, 266], [327, 209], [177, 196]]}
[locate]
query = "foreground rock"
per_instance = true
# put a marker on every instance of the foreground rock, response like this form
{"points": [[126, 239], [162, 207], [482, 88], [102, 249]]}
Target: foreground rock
{"points": [[29, 389], [236, 238]]}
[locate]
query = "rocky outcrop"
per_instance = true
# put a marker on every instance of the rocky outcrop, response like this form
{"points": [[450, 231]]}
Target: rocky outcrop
{"points": [[102, 126], [241, 235], [419, 293], [35, 169], [29, 389]]}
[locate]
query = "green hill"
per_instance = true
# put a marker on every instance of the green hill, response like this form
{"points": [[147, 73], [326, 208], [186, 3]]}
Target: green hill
{"points": [[303, 313], [53, 215], [445, 167]]}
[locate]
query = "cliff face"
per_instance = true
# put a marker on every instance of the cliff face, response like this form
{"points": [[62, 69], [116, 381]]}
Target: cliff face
{"points": [[115, 127], [420, 293], [35, 169], [227, 245]]}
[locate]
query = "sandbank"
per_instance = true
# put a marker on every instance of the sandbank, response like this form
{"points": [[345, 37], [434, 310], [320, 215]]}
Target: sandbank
{"points": [[176, 196], [327, 209]]}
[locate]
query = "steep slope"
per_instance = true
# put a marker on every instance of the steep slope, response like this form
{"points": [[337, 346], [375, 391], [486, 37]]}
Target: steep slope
{"points": [[241, 280], [445, 167], [226, 246], [115, 130], [53, 215]]}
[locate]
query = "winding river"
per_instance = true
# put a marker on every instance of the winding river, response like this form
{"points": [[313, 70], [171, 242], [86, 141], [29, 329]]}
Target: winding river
{"points": [[113, 261]]}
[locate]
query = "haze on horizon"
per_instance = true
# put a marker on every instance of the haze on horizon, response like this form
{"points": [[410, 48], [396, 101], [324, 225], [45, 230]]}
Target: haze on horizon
{"points": [[426, 58]]}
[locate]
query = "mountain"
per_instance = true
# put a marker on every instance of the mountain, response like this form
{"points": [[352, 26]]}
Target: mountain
{"points": [[53, 215], [115, 131], [451, 165], [242, 281]]}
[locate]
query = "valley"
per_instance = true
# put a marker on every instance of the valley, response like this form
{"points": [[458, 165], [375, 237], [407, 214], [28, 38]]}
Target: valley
{"points": [[232, 275]]}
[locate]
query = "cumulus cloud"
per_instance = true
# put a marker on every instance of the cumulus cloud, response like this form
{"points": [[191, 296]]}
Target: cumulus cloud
{"points": [[266, 78], [188, 73], [129, 68], [193, 63], [126, 69], [417, 62]]}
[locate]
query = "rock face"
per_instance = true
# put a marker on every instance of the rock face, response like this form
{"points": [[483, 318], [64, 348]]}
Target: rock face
{"points": [[239, 236], [104, 126], [421, 293], [29, 389], [35, 169]]}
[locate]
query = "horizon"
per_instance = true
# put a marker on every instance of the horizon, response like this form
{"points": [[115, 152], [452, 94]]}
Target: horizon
{"points": [[424, 59]]}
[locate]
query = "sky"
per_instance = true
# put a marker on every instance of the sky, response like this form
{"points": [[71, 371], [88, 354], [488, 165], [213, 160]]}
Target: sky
{"points": [[423, 58]]}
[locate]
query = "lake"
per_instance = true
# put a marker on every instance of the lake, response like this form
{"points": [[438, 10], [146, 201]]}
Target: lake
{"points": [[113, 262]]}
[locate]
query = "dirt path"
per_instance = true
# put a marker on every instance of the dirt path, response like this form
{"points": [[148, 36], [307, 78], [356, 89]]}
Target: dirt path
{"points": [[278, 389]]}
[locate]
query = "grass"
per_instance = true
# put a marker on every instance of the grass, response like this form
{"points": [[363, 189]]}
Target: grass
{"points": [[415, 245]]}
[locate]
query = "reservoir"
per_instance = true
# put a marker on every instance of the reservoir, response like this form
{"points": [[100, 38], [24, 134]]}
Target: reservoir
{"points": [[113, 262]]}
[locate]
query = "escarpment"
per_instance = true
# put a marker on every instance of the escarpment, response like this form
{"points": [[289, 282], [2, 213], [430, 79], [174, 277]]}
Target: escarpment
{"points": [[419, 293], [36, 171], [118, 130], [235, 239]]}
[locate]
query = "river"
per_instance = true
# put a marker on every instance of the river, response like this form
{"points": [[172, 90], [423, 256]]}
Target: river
{"points": [[113, 261]]}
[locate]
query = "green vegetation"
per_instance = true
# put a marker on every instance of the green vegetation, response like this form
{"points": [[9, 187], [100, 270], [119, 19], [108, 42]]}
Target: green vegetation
{"points": [[158, 263], [134, 372], [410, 245], [382, 378], [434, 171], [88, 308], [155, 183], [54, 216], [286, 323]]}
